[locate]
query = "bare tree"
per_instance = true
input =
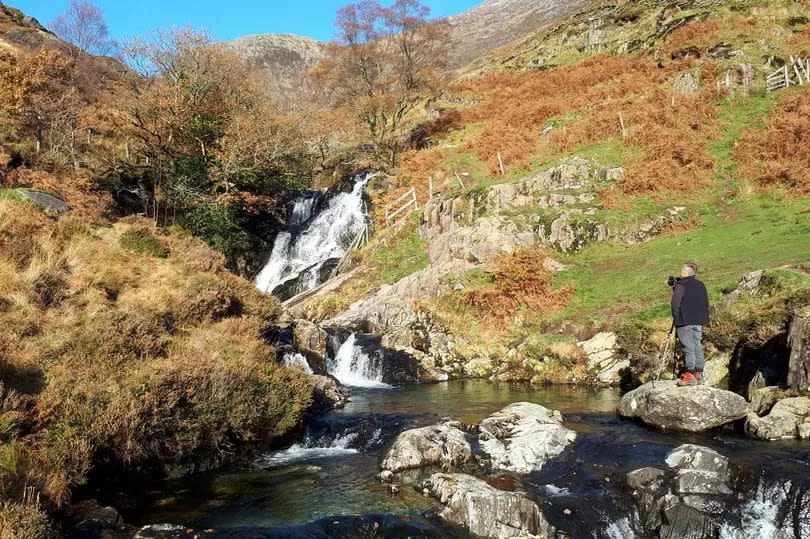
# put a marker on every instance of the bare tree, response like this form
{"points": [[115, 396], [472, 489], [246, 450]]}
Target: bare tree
{"points": [[387, 61], [84, 26]]}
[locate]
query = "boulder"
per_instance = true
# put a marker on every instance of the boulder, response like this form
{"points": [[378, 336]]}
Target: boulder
{"points": [[327, 394], [44, 200], [693, 408], [789, 418], [686, 83], [437, 445], [311, 340], [523, 436], [602, 360], [798, 377], [764, 398], [486, 511], [715, 372]]}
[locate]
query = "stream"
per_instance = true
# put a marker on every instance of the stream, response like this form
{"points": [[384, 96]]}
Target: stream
{"points": [[332, 470]]}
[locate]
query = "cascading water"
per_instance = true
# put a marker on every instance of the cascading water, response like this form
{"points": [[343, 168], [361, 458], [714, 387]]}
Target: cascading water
{"points": [[298, 257], [298, 361], [352, 366]]}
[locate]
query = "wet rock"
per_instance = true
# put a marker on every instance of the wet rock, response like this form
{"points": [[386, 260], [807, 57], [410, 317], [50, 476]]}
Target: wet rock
{"points": [[88, 518], [165, 531], [684, 522], [443, 445], [644, 477], [696, 457], [310, 340], [694, 408], [486, 511], [602, 358], [523, 436], [788, 419], [327, 394], [798, 377], [386, 476]]}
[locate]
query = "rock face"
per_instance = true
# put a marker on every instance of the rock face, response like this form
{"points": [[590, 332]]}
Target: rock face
{"points": [[686, 500], [486, 511], [441, 445], [602, 358], [523, 436], [327, 394], [789, 418], [311, 340], [693, 408], [799, 342]]}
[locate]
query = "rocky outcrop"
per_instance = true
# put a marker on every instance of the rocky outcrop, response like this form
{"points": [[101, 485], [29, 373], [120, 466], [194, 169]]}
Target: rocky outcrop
{"points": [[327, 394], [763, 399], [486, 511], [44, 200], [523, 436], [604, 361], [799, 341], [310, 340], [788, 419], [437, 445], [694, 408]]}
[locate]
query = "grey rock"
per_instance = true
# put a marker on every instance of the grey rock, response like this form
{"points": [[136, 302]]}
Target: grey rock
{"points": [[694, 408], [686, 83], [799, 341], [603, 360], [310, 340], [644, 477], [789, 418], [327, 394], [44, 200], [763, 399], [697, 457], [523, 436], [443, 445], [486, 511]]}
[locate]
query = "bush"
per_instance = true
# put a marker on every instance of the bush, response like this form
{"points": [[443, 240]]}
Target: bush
{"points": [[143, 242], [213, 223], [24, 521]]}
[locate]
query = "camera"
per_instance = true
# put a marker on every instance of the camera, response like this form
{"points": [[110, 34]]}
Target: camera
{"points": [[672, 281]]}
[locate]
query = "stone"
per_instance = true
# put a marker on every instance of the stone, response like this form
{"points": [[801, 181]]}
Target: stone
{"points": [[788, 419], [523, 436], [386, 476], [437, 445], [644, 477], [686, 83], [310, 340], [327, 394], [485, 511], [799, 341], [763, 399], [696, 457], [44, 200], [611, 174], [165, 531], [602, 360], [715, 371], [693, 408], [684, 522]]}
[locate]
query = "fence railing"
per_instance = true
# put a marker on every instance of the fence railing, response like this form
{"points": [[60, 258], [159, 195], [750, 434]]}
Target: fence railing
{"points": [[398, 207], [795, 73]]}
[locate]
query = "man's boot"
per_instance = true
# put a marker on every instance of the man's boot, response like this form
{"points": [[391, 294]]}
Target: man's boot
{"points": [[688, 379], [699, 378]]}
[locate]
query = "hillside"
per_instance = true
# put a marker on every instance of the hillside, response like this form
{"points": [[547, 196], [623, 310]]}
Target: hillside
{"points": [[566, 191], [17, 30]]}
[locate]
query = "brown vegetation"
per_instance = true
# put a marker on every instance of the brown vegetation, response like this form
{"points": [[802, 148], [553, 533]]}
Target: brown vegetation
{"points": [[779, 154], [130, 343], [519, 280]]}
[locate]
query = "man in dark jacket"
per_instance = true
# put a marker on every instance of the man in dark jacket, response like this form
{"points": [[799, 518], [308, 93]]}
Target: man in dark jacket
{"points": [[690, 311]]}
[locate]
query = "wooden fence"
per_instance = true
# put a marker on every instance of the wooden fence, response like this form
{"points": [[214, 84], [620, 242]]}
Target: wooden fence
{"points": [[398, 207], [795, 73]]}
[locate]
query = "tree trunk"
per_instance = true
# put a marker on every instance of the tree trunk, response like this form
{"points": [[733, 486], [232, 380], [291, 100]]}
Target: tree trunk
{"points": [[799, 342]]}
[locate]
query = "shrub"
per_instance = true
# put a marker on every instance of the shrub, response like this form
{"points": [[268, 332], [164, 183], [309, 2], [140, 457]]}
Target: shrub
{"points": [[24, 521], [143, 242], [215, 224]]}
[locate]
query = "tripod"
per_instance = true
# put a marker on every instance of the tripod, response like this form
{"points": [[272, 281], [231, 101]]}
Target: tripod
{"points": [[664, 354]]}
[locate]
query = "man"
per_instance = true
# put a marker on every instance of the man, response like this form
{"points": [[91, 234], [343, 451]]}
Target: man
{"points": [[690, 312]]}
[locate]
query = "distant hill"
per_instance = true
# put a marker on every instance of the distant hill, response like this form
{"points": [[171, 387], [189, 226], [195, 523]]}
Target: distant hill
{"points": [[473, 35], [19, 31]]}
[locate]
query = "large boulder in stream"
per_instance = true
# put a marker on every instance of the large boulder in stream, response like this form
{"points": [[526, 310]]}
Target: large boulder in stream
{"points": [[692, 408], [788, 419], [437, 445], [523, 436], [486, 511]]}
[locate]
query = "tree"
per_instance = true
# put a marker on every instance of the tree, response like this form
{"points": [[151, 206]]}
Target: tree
{"points": [[387, 61], [83, 25]]}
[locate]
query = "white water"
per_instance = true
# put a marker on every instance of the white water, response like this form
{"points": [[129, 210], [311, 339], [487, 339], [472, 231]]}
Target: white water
{"points": [[353, 367], [760, 516], [299, 452], [298, 361], [326, 236]]}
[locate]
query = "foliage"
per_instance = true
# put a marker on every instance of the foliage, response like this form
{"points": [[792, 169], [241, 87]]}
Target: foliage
{"points": [[519, 280], [214, 223], [143, 241]]}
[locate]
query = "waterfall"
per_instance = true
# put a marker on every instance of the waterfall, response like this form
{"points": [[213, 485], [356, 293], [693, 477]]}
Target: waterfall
{"points": [[300, 256], [352, 366], [298, 361]]}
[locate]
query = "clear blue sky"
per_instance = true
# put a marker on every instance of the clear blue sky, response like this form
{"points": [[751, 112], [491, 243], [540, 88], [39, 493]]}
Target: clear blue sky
{"points": [[226, 19]]}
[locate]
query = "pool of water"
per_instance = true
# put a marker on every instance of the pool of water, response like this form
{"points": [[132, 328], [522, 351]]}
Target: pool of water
{"points": [[332, 470]]}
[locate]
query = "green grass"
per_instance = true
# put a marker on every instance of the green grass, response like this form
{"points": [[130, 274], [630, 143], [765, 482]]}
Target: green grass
{"points": [[610, 280], [407, 256], [10, 194], [143, 242]]}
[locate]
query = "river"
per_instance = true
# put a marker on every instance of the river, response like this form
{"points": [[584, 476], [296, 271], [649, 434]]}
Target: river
{"points": [[332, 470]]}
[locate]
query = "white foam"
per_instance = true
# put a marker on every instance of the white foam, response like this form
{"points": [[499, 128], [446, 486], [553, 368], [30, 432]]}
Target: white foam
{"points": [[296, 360], [353, 367]]}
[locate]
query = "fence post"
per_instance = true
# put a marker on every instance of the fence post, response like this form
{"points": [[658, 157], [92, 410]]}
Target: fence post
{"points": [[430, 188], [621, 123], [500, 163], [459, 180]]}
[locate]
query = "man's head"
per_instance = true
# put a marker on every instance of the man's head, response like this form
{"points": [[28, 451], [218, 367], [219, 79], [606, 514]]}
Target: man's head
{"points": [[689, 269]]}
